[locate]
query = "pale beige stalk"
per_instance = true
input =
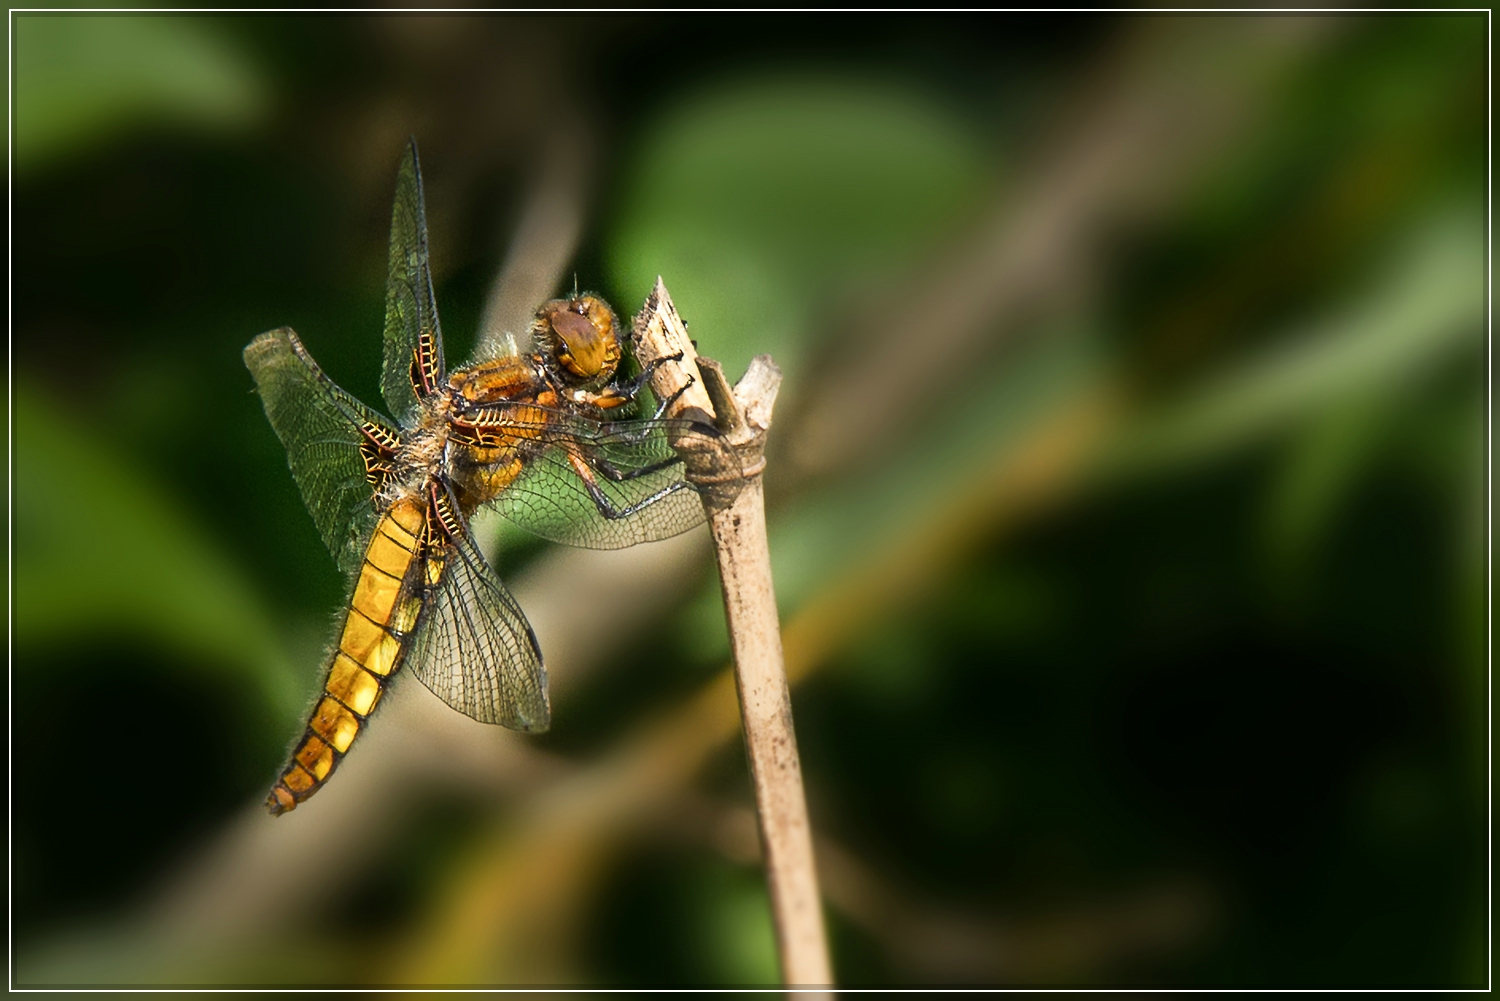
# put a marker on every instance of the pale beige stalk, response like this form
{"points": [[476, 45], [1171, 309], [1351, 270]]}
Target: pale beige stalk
{"points": [[735, 501]]}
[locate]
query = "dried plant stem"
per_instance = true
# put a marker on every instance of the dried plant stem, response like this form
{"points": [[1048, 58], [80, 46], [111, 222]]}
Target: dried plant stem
{"points": [[739, 534], [735, 501]]}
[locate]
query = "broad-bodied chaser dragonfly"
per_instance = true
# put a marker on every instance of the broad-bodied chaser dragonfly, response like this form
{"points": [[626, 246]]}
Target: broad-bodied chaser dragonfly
{"points": [[523, 433]]}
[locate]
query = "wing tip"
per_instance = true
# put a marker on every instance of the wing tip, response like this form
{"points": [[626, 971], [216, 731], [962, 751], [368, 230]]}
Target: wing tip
{"points": [[412, 158], [279, 334], [536, 719], [271, 340]]}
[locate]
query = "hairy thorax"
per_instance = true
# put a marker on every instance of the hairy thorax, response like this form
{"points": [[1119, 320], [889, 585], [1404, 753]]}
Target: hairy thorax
{"points": [[477, 433], [422, 454]]}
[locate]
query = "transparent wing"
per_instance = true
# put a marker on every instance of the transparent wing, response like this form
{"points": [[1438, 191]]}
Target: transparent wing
{"points": [[319, 424], [413, 363], [474, 648], [602, 484]]}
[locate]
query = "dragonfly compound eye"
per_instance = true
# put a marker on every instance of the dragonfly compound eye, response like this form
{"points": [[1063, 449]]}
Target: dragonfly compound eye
{"points": [[584, 336]]}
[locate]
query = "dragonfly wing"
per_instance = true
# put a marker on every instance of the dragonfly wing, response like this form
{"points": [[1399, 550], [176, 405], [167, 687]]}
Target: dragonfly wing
{"points": [[604, 485], [474, 648], [413, 364], [319, 424]]}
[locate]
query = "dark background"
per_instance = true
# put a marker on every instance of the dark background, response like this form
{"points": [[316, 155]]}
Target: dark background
{"points": [[1127, 500]]}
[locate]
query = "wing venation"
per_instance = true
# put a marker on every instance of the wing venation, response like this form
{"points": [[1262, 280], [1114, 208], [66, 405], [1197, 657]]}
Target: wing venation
{"points": [[413, 336], [474, 648], [319, 424], [600, 485]]}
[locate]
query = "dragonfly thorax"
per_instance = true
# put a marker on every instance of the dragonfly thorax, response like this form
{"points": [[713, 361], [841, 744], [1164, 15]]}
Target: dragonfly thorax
{"points": [[508, 379], [421, 455]]}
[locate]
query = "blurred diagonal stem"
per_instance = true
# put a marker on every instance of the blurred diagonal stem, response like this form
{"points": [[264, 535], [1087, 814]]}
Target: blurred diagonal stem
{"points": [[735, 501], [545, 239]]}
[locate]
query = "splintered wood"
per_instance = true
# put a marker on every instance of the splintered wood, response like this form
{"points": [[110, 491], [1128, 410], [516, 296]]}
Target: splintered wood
{"points": [[735, 503]]}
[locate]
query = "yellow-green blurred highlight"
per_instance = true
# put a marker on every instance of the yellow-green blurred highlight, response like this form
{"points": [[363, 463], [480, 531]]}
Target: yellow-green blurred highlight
{"points": [[85, 79], [1127, 500]]}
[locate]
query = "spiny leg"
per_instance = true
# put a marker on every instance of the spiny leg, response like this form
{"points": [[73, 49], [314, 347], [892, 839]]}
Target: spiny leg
{"points": [[665, 405], [601, 500], [650, 427], [616, 475], [621, 394], [634, 386]]}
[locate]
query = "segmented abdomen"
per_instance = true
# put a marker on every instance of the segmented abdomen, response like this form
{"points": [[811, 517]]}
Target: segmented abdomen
{"points": [[377, 630]]}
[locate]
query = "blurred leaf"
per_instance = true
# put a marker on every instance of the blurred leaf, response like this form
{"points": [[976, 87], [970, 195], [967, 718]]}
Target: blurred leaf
{"points": [[82, 79], [754, 199], [1324, 461], [840, 527], [843, 526], [734, 925], [1425, 309], [103, 555]]}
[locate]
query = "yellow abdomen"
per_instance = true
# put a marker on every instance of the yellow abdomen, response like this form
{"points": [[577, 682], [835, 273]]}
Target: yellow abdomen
{"points": [[377, 630]]}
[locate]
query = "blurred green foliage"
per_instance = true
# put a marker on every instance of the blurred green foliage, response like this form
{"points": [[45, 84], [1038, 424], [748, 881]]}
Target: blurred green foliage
{"points": [[84, 79], [1210, 709], [764, 198], [165, 584]]}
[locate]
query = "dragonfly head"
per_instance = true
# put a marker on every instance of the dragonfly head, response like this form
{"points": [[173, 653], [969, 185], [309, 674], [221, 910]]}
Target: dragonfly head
{"points": [[579, 338]]}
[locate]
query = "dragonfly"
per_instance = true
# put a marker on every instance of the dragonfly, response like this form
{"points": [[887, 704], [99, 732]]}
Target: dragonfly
{"points": [[530, 435]]}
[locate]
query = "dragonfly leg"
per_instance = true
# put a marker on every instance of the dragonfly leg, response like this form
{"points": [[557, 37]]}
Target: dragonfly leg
{"points": [[613, 473], [661, 409], [621, 394], [665, 405], [608, 509], [630, 389], [601, 500]]}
